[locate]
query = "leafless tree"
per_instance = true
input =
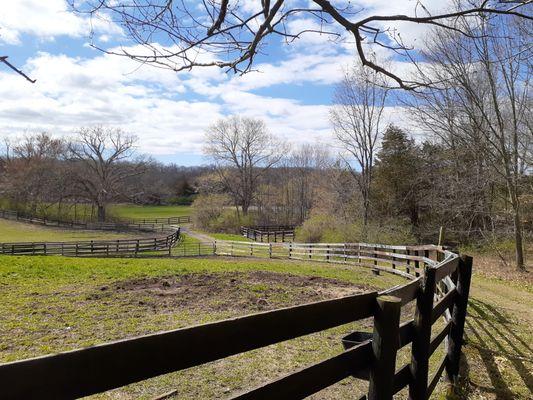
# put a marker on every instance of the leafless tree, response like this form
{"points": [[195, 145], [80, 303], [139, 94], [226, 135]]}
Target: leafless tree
{"points": [[356, 115], [230, 34], [34, 175], [243, 151], [485, 99], [103, 161]]}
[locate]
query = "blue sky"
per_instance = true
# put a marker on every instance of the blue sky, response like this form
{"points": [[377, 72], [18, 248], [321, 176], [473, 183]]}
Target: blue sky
{"points": [[169, 112]]}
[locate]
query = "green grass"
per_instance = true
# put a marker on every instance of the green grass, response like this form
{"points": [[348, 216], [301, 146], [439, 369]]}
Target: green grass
{"points": [[186, 239], [228, 236], [52, 304], [132, 211], [12, 231]]}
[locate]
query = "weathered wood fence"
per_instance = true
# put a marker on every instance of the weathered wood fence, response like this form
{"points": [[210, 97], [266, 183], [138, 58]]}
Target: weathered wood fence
{"points": [[170, 236], [440, 291], [269, 233]]}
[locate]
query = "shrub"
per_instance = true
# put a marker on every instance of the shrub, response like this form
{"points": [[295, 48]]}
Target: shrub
{"points": [[208, 208], [327, 229]]}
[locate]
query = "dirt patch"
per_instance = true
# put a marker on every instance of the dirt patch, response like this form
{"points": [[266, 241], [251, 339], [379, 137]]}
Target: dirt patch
{"points": [[256, 291]]}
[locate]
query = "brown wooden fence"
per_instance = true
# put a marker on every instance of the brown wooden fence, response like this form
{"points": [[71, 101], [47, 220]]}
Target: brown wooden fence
{"points": [[184, 219], [170, 236], [269, 233], [440, 291]]}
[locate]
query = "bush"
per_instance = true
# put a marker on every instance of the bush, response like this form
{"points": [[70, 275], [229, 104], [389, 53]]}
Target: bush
{"points": [[327, 229], [208, 208], [215, 213]]}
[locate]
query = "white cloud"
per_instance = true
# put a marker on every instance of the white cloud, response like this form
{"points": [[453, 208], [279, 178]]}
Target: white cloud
{"points": [[154, 104], [46, 20]]}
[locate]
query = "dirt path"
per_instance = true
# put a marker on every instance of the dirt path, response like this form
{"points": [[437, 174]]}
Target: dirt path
{"points": [[202, 237]]}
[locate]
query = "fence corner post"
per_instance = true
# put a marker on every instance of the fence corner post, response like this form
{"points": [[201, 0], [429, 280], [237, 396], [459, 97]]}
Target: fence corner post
{"points": [[455, 338], [385, 344], [420, 348]]}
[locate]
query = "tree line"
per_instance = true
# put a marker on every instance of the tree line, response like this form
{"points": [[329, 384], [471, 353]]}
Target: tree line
{"points": [[470, 174], [44, 175]]}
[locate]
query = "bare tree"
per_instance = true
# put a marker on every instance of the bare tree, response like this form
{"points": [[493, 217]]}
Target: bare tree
{"points": [[485, 100], [103, 162], [243, 151], [34, 172], [359, 101], [230, 34]]}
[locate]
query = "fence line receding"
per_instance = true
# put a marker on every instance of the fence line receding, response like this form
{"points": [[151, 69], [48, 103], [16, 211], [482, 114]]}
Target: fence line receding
{"points": [[439, 284]]}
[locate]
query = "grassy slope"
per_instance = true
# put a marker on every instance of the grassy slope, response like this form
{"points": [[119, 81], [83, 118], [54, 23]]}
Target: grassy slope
{"points": [[131, 211], [12, 231]]}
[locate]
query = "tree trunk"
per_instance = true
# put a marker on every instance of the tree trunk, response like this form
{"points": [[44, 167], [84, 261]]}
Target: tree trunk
{"points": [[519, 248], [245, 207], [101, 213]]}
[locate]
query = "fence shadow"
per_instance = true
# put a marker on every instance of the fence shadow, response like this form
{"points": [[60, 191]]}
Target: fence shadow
{"points": [[506, 357]]}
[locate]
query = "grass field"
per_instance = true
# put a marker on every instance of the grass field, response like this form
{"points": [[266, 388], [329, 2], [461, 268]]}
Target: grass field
{"points": [[12, 231], [228, 236], [132, 211], [51, 304]]}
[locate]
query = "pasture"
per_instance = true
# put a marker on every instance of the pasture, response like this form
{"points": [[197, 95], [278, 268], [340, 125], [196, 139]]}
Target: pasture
{"points": [[132, 211], [12, 231], [54, 304]]}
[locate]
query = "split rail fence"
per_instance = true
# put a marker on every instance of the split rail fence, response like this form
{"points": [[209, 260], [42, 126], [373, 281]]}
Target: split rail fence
{"points": [[439, 286]]}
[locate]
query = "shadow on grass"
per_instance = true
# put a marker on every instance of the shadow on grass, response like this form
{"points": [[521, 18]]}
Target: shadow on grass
{"points": [[506, 358]]}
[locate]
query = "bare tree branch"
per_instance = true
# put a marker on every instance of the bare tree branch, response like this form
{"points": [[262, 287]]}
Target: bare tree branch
{"points": [[18, 71]]}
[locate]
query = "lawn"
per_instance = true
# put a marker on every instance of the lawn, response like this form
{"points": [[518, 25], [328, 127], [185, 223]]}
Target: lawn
{"points": [[12, 231], [51, 304], [132, 211]]}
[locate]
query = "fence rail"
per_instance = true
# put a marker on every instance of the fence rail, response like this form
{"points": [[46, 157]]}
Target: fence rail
{"points": [[269, 233], [92, 247], [184, 219], [440, 291]]}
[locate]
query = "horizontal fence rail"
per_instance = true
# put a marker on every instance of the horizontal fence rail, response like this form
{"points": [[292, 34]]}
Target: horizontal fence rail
{"points": [[440, 292], [269, 233], [183, 219], [167, 238]]}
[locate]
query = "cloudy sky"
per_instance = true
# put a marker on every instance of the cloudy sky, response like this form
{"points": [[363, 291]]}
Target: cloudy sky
{"points": [[80, 86]]}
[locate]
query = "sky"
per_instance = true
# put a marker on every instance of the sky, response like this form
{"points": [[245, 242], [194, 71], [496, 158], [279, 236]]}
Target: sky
{"points": [[79, 86]]}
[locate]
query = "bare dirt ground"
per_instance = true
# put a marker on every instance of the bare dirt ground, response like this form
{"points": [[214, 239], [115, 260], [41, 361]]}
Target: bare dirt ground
{"points": [[233, 292]]}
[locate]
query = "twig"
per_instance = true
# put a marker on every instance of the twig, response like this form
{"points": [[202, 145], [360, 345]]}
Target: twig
{"points": [[18, 71]]}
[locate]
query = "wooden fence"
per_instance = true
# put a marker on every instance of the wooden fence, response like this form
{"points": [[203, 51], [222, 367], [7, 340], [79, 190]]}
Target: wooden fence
{"points": [[184, 219], [269, 233], [440, 291], [137, 223], [92, 247]]}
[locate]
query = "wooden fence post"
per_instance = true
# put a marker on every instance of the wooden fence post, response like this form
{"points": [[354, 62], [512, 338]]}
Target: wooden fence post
{"points": [[344, 251], [290, 250], [385, 343], [327, 254], [455, 338], [270, 250], [420, 349]]}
